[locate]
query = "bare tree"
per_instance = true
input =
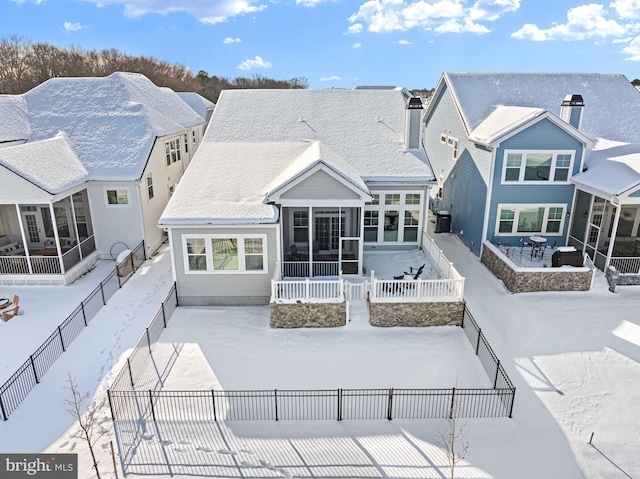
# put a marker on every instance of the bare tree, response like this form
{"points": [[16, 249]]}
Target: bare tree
{"points": [[452, 440], [87, 420]]}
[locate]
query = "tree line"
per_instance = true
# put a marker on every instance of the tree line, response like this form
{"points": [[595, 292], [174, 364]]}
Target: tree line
{"points": [[24, 65]]}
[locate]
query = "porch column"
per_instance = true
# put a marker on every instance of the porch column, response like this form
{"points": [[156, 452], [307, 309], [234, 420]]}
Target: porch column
{"points": [[614, 233], [55, 235], [360, 211], [26, 247], [587, 228], [75, 226], [310, 214]]}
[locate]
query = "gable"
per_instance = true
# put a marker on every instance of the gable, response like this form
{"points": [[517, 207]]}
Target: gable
{"points": [[320, 186], [17, 189]]}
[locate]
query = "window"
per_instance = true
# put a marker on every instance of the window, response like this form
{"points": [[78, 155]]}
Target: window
{"points": [[443, 138], [539, 166], [371, 226], [411, 222], [394, 220], [412, 199], [186, 144], [117, 197], [194, 138], [300, 226], [532, 219], [149, 186], [225, 253], [172, 151], [196, 254], [393, 199]]}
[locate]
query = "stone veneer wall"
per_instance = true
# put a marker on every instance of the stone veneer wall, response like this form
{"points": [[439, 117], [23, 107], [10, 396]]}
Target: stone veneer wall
{"points": [[416, 314], [308, 315], [522, 281]]}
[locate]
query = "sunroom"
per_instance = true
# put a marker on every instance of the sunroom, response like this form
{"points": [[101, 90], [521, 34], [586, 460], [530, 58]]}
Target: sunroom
{"points": [[46, 242]]}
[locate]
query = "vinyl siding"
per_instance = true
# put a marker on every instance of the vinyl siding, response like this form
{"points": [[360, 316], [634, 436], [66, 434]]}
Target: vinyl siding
{"points": [[320, 186], [466, 178], [543, 135], [232, 289]]}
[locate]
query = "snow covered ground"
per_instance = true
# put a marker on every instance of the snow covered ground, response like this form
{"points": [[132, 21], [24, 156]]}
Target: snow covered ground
{"points": [[573, 356]]}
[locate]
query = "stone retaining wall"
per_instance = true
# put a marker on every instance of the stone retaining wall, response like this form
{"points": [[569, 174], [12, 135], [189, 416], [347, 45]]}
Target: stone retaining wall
{"points": [[308, 315], [416, 314], [523, 281]]}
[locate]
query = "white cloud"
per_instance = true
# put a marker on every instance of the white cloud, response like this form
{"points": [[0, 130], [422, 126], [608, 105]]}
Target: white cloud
{"points": [[331, 78], [438, 15], [633, 49], [20, 2], [309, 3], [252, 64], [583, 22], [206, 12], [627, 9], [356, 45], [355, 28], [231, 40], [71, 27], [402, 42]]}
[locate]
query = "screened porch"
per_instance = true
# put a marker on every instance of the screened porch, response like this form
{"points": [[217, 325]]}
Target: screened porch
{"points": [[321, 241], [45, 239]]}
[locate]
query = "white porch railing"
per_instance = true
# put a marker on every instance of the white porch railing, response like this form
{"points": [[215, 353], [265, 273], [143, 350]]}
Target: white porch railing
{"points": [[626, 264], [439, 259], [295, 269], [415, 290], [308, 291]]}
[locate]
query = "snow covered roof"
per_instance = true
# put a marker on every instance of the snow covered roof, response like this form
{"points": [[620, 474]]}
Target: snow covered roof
{"points": [[14, 124], [611, 101], [612, 169], [257, 140], [111, 122], [197, 102], [50, 164]]}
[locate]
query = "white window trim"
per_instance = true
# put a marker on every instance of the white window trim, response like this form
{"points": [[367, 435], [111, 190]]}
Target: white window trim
{"points": [[123, 205], [209, 253], [517, 207], [550, 181], [400, 208], [175, 148], [148, 177]]}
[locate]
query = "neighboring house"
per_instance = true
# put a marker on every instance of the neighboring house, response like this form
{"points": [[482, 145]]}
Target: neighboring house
{"points": [[300, 182], [200, 105], [508, 148], [87, 166]]}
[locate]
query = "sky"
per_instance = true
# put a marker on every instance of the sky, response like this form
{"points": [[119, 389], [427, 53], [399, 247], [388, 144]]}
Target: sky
{"points": [[340, 43]]}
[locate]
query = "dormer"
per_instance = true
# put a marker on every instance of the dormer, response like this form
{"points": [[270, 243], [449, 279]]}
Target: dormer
{"points": [[413, 123]]}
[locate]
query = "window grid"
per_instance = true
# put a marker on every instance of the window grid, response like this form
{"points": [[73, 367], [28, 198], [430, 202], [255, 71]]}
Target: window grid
{"points": [[537, 166]]}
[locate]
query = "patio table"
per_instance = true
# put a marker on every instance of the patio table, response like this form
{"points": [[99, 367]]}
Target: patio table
{"points": [[537, 248]]}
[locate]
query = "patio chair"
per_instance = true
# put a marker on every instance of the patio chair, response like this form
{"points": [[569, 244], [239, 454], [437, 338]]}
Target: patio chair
{"points": [[11, 310], [418, 271]]}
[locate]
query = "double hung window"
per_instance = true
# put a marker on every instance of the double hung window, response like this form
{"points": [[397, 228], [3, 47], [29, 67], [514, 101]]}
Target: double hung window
{"points": [[537, 166], [523, 219], [393, 217], [225, 253]]}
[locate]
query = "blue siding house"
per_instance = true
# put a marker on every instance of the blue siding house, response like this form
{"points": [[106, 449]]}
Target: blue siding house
{"points": [[509, 150]]}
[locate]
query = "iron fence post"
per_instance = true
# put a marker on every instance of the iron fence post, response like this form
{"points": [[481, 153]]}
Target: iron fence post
{"points": [[390, 404], [130, 373], [153, 411], [144, 251], [118, 276], [339, 404], [61, 339], [275, 397], [495, 380], [4, 412], [453, 400], [84, 315], [148, 339], [478, 343], [164, 316], [104, 301], [133, 267], [513, 399], [33, 366], [113, 416], [175, 289], [213, 401]]}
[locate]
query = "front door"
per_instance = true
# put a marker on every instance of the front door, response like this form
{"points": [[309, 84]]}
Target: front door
{"points": [[33, 225], [349, 255]]}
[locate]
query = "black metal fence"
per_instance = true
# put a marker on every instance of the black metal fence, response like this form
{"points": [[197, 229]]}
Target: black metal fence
{"points": [[126, 378], [488, 359], [126, 403], [20, 384]]}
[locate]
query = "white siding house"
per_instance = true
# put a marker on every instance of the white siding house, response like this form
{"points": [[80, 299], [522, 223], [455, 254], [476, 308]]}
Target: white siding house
{"points": [[87, 166]]}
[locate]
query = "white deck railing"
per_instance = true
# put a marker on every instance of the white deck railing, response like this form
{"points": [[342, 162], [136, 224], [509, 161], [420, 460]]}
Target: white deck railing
{"points": [[626, 264], [415, 290], [439, 259], [308, 291]]}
